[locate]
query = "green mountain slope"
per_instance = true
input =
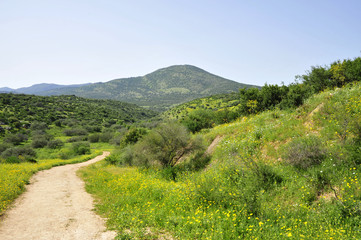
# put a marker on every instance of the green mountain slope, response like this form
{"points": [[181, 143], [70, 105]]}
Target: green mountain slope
{"points": [[158, 90], [18, 109]]}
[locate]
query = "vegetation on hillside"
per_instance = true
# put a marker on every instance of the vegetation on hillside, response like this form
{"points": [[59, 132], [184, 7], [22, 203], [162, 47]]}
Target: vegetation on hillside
{"points": [[277, 173], [210, 111], [159, 90], [19, 110]]}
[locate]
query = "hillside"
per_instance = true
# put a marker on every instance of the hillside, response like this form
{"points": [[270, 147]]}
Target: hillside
{"points": [[158, 90], [17, 110], [279, 174], [219, 102]]}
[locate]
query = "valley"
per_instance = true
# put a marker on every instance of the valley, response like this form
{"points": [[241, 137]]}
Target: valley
{"points": [[277, 162]]}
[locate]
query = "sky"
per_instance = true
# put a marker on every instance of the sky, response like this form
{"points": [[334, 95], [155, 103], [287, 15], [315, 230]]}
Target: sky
{"points": [[252, 42]]}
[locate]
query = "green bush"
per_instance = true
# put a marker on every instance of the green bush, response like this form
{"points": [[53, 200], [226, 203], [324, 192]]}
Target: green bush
{"points": [[81, 148], [38, 126], [65, 154], [305, 152], [199, 119], [4, 146], [162, 146], [106, 137], [12, 159], [198, 161], [94, 138], [16, 139], [75, 132], [39, 142], [57, 143], [77, 139], [134, 134], [27, 153]]}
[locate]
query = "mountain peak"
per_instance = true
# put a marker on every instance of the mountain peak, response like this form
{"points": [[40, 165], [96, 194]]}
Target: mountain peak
{"points": [[158, 90]]}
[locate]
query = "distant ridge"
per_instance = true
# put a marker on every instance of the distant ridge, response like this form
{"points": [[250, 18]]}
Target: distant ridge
{"points": [[39, 88], [6, 90], [158, 90]]}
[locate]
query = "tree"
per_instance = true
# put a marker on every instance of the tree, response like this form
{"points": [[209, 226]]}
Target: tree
{"points": [[162, 146], [319, 78], [199, 119]]}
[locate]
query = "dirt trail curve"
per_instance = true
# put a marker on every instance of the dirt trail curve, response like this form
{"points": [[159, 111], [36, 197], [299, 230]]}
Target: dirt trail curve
{"points": [[55, 207]]}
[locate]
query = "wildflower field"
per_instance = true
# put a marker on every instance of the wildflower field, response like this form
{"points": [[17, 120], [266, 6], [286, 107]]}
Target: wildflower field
{"points": [[276, 175]]}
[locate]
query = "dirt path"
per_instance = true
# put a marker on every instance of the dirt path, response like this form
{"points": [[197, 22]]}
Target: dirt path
{"points": [[55, 206]]}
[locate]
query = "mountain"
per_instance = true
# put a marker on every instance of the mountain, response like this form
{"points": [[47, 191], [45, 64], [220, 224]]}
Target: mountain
{"points": [[42, 87], [6, 90], [158, 90]]}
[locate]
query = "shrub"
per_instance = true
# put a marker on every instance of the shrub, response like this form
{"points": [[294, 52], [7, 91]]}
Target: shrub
{"points": [[94, 138], [305, 152], [27, 153], [134, 134], [38, 126], [123, 157], [4, 146], [77, 139], [75, 132], [198, 161], [93, 128], [65, 154], [16, 139], [12, 159], [117, 139], [58, 123], [163, 146], [112, 159], [106, 137], [39, 142], [57, 143], [81, 148], [199, 119]]}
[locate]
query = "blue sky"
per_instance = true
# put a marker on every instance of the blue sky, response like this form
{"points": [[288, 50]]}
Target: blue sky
{"points": [[254, 42]]}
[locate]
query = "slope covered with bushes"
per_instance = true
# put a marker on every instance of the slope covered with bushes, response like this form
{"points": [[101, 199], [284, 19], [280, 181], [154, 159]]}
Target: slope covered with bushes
{"points": [[210, 111], [280, 174]]}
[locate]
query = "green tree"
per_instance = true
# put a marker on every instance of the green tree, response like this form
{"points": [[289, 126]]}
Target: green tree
{"points": [[163, 146]]}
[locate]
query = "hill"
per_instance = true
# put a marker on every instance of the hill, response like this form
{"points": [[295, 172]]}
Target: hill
{"points": [[38, 88], [279, 174], [158, 90], [19, 110]]}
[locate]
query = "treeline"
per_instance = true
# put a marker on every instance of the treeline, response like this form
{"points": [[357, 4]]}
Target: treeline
{"points": [[254, 100]]}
